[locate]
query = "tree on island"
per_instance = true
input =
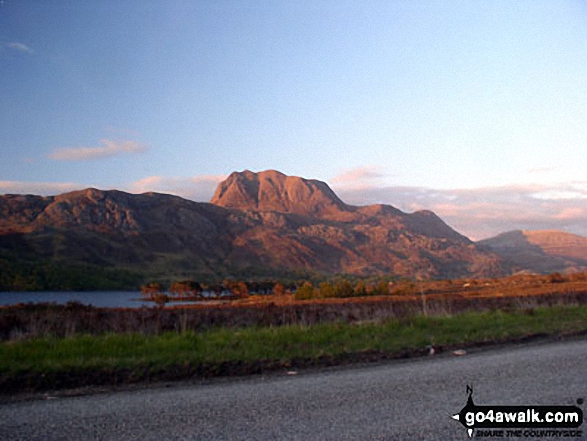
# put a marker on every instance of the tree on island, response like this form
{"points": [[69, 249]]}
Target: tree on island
{"points": [[279, 289], [189, 287], [150, 290]]}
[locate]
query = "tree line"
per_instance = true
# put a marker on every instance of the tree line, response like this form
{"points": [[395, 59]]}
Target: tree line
{"points": [[226, 290], [300, 289], [343, 289]]}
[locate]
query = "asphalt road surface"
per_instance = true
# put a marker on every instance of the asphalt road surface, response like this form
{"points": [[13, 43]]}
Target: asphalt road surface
{"points": [[397, 400]]}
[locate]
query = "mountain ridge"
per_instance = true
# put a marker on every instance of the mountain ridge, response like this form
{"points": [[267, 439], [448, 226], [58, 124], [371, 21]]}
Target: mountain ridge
{"points": [[256, 223]]}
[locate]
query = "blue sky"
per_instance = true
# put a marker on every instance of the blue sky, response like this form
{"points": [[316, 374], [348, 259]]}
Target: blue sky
{"points": [[475, 110]]}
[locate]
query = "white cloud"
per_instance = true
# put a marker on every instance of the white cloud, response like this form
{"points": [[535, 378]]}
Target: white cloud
{"points": [[108, 149], [20, 47], [37, 188], [198, 188]]}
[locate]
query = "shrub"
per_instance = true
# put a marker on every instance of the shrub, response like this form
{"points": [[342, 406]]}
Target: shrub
{"points": [[556, 278], [161, 299], [305, 292]]}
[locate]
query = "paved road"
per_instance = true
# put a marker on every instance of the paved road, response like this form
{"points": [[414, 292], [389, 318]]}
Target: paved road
{"points": [[397, 400]]}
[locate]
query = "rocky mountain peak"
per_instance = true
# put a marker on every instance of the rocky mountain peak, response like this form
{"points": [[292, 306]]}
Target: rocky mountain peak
{"points": [[272, 190]]}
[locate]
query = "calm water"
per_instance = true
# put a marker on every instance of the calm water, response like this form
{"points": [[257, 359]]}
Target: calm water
{"points": [[110, 299]]}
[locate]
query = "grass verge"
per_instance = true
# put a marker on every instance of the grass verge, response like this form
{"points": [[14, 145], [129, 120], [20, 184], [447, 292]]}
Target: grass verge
{"points": [[54, 363]]}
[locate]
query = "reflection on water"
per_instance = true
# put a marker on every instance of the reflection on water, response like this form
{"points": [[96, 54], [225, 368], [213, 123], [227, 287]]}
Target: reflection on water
{"points": [[108, 299]]}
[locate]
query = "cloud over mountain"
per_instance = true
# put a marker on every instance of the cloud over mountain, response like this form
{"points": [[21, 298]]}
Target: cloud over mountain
{"points": [[109, 148], [40, 188], [359, 176], [484, 212], [196, 188]]}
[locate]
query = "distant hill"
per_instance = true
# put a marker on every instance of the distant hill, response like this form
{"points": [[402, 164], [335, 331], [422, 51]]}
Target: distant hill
{"points": [[542, 251], [263, 223]]}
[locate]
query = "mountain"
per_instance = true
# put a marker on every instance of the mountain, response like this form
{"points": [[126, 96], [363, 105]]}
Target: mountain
{"points": [[263, 223], [273, 191], [109, 227], [542, 251]]}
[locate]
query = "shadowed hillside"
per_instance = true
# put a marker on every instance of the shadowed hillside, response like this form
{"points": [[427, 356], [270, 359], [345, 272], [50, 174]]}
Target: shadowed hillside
{"points": [[543, 251]]}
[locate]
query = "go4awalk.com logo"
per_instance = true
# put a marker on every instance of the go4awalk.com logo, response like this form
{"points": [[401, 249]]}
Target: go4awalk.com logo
{"points": [[520, 421]]}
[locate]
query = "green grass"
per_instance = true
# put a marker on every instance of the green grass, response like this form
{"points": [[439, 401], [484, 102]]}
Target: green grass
{"points": [[281, 345]]}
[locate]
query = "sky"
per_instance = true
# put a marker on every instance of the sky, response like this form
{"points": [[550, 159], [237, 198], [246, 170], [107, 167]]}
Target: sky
{"points": [[476, 110]]}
